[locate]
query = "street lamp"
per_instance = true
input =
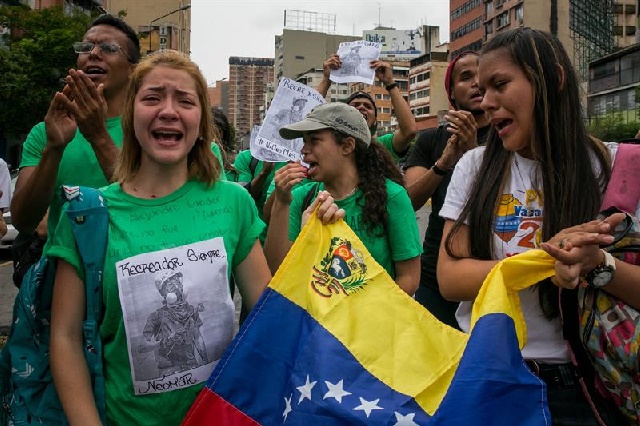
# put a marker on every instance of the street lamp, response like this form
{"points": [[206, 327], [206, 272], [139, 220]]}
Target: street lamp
{"points": [[181, 8]]}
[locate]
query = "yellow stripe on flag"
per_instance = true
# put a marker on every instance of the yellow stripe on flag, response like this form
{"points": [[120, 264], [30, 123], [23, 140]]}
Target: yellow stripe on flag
{"points": [[499, 292], [389, 333]]}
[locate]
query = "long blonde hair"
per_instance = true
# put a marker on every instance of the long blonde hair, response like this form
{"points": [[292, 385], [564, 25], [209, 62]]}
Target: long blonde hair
{"points": [[201, 161]]}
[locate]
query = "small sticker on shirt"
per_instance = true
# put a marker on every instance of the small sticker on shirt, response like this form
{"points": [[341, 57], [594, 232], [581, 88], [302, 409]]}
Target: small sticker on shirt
{"points": [[178, 314]]}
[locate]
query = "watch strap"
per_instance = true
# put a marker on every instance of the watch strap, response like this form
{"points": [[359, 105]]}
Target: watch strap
{"points": [[437, 170]]}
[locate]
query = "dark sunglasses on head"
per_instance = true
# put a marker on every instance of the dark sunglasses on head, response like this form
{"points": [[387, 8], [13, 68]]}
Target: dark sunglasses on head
{"points": [[106, 48]]}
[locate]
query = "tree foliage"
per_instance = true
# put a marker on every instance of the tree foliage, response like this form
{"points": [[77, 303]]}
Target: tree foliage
{"points": [[612, 127], [36, 57]]}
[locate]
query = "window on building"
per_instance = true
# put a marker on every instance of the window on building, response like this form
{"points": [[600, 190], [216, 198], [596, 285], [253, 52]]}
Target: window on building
{"points": [[488, 27], [630, 30], [488, 8], [519, 13], [301, 58], [502, 19]]}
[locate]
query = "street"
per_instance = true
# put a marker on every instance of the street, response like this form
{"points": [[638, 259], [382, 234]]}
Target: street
{"points": [[8, 291]]}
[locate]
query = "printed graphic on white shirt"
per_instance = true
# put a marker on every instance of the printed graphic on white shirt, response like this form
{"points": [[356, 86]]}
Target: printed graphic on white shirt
{"points": [[518, 224], [178, 314]]}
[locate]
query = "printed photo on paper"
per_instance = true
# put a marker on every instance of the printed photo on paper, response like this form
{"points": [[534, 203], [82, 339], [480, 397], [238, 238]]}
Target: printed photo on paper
{"points": [[356, 57], [291, 103]]}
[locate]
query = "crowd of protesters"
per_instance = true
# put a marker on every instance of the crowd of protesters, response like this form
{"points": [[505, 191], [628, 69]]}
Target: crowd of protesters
{"points": [[513, 169]]}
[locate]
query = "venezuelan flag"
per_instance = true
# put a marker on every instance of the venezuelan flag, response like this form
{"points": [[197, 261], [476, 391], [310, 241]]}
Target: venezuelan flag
{"points": [[334, 341]]}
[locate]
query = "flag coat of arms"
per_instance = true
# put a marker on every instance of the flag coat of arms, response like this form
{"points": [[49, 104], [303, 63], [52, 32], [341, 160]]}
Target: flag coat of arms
{"points": [[334, 341]]}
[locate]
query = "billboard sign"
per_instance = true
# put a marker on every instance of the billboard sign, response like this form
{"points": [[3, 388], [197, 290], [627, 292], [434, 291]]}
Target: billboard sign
{"points": [[397, 43]]}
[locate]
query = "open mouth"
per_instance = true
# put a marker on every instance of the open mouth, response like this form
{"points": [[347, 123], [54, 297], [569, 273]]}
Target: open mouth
{"points": [[94, 71], [476, 97], [313, 167], [166, 135], [502, 126]]}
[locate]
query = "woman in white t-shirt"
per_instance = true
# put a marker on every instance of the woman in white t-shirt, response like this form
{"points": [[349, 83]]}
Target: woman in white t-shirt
{"points": [[538, 174]]}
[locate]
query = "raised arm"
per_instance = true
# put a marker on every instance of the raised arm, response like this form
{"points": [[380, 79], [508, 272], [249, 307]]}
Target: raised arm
{"points": [[331, 63], [90, 110], [406, 122], [36, 184]]}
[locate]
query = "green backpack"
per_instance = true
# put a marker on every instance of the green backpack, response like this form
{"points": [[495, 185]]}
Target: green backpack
{"points": [[27, 393]]}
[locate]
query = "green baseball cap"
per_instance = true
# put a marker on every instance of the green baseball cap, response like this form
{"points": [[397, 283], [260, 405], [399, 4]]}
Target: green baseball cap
{"points": [[333, 115]]}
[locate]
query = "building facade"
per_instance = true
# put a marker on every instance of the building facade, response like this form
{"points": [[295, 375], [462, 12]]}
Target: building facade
{"points": [[427, 95], [466, 25], [161, 24], [219, 95], [626, 22], [386, 119], [248, 81], [614, 85], [339, 92], [298, 51]]}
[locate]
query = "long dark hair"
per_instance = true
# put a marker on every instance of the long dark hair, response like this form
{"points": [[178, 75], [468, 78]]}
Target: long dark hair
{"points": [[374, 165], [560, 144]]}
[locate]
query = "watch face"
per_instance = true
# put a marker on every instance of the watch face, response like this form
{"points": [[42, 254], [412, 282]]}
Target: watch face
{"points": [[601, 276]]}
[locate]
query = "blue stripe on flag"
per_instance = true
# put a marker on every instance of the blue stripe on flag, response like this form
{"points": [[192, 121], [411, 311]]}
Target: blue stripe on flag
{"points": [[279, 347], [492, 384]]}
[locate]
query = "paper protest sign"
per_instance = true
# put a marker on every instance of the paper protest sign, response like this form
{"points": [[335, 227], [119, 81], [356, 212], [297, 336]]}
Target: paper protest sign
{"points": [[356, 57], [291, 103]]}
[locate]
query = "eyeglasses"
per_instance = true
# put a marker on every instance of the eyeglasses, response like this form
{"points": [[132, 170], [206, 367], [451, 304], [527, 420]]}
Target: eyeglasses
{"points": [[106, 48]]}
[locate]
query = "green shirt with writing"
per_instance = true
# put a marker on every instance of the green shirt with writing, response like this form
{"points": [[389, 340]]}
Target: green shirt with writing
{"points": [[168, 314]]}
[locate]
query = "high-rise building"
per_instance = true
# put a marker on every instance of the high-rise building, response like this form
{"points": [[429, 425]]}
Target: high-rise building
{"points": [[427, 96], [162, 24], [219, 94], [386, 119], [298, 51], [626, 22], [585, 27], [248, 80], [465, 22]]}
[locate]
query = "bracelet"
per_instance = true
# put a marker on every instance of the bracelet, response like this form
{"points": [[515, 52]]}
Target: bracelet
{"points": [[437, 170], [391, 86]]}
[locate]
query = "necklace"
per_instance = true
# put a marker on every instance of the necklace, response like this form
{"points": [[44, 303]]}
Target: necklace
{"points": [[353, 191]]}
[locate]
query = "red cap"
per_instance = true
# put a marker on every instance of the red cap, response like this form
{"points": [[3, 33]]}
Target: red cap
{"points": [[447, 76]]}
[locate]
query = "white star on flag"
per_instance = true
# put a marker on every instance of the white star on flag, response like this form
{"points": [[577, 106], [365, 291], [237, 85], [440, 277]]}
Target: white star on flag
{"points": [[405, 420], [335, 391], [305, 390], [287, 408], [368, 406]]}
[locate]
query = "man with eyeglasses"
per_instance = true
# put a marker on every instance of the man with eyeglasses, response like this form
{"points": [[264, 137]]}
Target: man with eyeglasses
{"points": [[79, 139]]}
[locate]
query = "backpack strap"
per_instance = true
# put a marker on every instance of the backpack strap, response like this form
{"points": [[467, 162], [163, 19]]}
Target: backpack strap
{"points": [[89, 219], [310, 196], [623, 189], [253, 164]]}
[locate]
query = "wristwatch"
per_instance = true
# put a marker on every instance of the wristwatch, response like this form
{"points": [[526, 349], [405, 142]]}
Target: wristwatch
{"points": [[603, 273], [437, 170]]}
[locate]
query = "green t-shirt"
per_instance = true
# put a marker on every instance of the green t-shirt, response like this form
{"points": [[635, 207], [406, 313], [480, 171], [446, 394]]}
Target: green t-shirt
{"points": [[387, 142], [215, 148], [168, 313], [78, 166], [402, 241], [243, 167]]}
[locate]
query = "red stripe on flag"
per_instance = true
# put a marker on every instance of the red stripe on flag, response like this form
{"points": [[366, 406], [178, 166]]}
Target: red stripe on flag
{"points": [[211, 409]]}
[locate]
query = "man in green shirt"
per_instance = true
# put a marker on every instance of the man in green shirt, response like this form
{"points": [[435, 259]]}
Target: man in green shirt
{"points": [[398, 142], [79, 139]]}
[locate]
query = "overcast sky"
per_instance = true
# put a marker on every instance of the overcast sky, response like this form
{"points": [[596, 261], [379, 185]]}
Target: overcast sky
{"points": [[220, 28]]}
